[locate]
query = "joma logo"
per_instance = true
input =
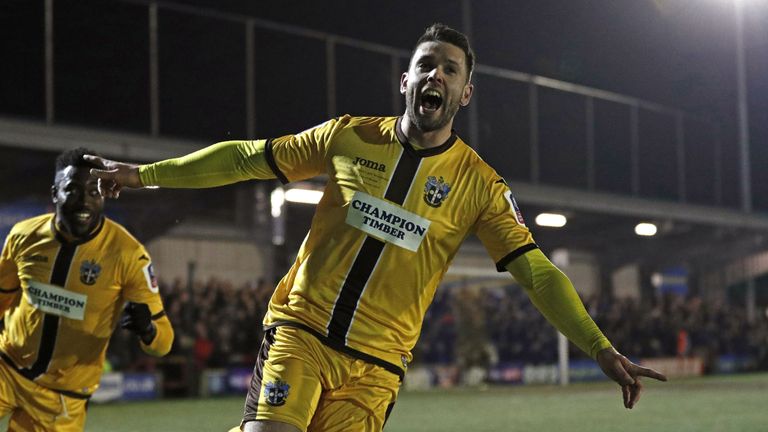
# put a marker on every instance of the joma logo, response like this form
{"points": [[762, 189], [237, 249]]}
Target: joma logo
{"points": [[370, 164]]}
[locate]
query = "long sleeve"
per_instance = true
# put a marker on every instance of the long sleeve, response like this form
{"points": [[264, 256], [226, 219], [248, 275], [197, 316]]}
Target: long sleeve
{"points": [[554, 296], [7, 298], [10, 286], [141, 286], [287, 158], [217, 165], [163, 340]]}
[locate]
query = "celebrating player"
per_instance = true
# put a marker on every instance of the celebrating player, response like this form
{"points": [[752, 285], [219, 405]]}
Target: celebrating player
{"points": [[65, 278], [403, 193]]}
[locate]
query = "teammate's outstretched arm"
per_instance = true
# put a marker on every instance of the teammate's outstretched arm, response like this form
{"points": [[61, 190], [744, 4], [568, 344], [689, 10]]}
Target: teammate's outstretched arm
{"points": [[553, 294]]}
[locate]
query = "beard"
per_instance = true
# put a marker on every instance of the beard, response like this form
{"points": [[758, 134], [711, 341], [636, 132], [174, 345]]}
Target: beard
{"points": [[429, 123]]}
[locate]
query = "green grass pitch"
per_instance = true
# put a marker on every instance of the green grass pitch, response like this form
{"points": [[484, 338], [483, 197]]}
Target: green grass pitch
{"points": [[726, 403]]}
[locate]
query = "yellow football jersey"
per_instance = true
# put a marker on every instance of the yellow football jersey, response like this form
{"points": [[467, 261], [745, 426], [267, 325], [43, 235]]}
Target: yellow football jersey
{"points": [[390, 221], [62, 300]]}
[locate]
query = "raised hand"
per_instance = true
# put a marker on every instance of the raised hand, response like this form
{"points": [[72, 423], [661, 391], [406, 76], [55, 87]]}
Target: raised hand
{"points": [[626, 374], [114, 176]]}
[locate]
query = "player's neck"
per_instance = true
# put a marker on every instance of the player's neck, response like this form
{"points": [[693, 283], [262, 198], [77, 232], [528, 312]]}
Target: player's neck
{"points": [[70, 237], [424, 140], [64, 233]]}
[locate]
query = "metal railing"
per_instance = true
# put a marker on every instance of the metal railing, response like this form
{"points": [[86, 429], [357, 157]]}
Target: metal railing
{"points": [[396, 57]]}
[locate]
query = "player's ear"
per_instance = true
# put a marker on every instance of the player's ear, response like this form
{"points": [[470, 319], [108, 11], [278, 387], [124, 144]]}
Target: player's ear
{"points": [[54, 190], [403, 82], [466, 94]]}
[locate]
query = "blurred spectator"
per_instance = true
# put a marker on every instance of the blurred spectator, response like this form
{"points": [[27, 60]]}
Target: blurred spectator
{"points": [[203, 346], [675, 326], [219, 325]]}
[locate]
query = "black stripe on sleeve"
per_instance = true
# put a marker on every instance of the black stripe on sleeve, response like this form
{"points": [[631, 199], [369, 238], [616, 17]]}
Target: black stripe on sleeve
{"points": [[51, 322], [272, 164], [158, 315], [508, 258]]}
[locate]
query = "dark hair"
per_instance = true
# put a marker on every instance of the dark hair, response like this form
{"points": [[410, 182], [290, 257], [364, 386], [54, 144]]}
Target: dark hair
{"points": [[74, 157], [439, 32]]}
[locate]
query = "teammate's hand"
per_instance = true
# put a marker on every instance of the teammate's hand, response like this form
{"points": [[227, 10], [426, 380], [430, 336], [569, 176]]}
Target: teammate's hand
{"points": [[138, 319], [627, 374], [114, 176]]}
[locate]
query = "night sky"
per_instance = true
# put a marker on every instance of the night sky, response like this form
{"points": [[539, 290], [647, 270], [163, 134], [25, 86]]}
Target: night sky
{"points": [[679, 53]]}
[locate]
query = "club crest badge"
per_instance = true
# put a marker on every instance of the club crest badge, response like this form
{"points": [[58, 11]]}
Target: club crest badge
{"points": [[276, 392], [435, 191], [89, 272]]}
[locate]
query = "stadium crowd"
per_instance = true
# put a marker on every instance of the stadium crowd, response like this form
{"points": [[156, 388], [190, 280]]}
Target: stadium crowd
{"points": [[482, 326], [219, 325]]}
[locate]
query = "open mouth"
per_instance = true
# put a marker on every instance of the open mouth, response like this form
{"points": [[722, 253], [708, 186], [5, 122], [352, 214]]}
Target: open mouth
{"points": [[82, 216], [431, 100]]}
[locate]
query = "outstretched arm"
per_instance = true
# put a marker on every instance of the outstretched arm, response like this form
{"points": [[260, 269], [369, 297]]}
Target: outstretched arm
{"points": [[288, 158], [217, 165], [553, 294]]}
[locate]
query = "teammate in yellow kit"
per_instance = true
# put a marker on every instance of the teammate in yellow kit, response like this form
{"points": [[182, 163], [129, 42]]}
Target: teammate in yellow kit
{"points": [[66, 279], [403, 193]]}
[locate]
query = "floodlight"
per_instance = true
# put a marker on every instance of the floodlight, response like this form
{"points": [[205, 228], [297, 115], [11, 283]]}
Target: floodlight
{"points": [[304, 196], [645, 229], [551, 220]]}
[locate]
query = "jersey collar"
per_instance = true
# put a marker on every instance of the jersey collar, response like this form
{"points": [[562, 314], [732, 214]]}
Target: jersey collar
{"points": [[64, 238], [423, 152]]}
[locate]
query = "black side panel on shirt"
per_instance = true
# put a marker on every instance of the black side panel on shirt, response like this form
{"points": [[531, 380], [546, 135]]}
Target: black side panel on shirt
{"points": [[51, 322], [369, 253]]}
